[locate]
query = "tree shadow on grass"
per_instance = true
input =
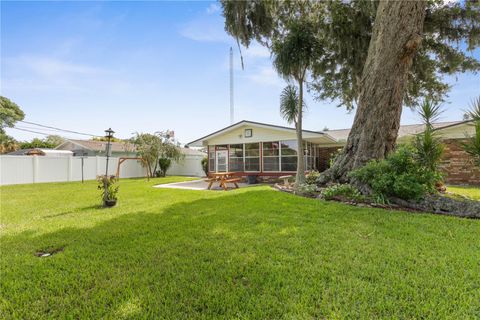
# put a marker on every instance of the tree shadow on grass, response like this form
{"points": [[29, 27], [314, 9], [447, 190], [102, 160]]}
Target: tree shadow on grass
{"points": [[225, 257]]}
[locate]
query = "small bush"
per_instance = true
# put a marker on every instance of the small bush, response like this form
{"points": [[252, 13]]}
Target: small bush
{"points": [[164, 164], [205, 165], [312, 176], [111, 187], [342, 190], [399, 175]]}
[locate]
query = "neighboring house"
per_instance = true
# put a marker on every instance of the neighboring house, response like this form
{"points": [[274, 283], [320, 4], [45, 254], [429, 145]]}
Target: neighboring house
{"points": [[249, 147], [97, 148], [41, 152]]}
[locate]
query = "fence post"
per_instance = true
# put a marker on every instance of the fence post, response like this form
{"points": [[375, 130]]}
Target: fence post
{"points": [[35, 168]]}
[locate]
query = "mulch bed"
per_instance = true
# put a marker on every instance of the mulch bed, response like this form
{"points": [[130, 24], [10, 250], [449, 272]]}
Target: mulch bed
{"points": [[392, 206]]}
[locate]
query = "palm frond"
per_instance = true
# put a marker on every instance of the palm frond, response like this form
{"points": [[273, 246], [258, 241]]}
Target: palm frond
{"points": [[289, 104], [474, 112], [472, 146], [429, 112]]}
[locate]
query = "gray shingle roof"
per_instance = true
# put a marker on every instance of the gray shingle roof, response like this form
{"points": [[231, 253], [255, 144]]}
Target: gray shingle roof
{"points": [[101, 145], [120, 147], [405, 130]]}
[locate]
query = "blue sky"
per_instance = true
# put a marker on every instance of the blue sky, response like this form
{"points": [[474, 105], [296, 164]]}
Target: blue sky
{"points": [[149, 66]]}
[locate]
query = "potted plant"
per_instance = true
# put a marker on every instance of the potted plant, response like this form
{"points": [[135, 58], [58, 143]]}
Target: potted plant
{"points": [[109, 190]]}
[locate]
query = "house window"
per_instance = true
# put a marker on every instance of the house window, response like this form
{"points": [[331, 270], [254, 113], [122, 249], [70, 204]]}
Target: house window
{"points": [[252, 156], [289, 155], [236, 158], [271, 156], [211, 158]]}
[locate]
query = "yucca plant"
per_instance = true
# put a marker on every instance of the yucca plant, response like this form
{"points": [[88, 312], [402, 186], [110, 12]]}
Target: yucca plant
{"points": [[474, 112], [428, 146], [472, 146]]}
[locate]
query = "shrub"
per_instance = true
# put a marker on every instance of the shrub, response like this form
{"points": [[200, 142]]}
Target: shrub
{"points": [[164, 164], [399, 175], [205, 165], [311, 177], [342, 190], [110, 183]]}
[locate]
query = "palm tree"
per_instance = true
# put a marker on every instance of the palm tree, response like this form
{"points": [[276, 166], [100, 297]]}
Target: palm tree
{"points": [[292, 58], [289, 104]]}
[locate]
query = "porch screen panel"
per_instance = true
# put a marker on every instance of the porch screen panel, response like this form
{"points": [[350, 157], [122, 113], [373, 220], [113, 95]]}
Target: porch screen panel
{"points": [[289, 150], [252, 157], [236, 158], [211, 159], [271, 156]]}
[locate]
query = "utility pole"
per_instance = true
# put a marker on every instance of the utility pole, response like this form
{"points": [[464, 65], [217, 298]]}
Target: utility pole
{"points": [[232, 119]]}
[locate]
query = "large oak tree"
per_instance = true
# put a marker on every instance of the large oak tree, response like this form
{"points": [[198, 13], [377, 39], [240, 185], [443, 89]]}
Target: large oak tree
{"points": [[358, 37], [397, 35]]}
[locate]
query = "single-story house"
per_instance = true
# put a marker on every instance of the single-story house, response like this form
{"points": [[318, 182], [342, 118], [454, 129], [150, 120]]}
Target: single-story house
{"points": [[91, 148], [41, 152], [253, 148]]}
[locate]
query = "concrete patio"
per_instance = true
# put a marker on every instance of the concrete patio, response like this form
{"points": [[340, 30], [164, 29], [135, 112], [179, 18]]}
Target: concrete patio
{"points": [[198, 185]]}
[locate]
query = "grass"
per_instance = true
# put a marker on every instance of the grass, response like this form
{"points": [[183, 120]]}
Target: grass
{"points": [[250, 253], [472, 192]]}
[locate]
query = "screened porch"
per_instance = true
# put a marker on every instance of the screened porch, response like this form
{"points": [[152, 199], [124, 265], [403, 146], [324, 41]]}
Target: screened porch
{"points": [[268, 158]]}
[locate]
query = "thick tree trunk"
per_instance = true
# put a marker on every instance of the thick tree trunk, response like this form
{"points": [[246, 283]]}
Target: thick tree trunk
{"points": [[300, 158], [395, 39]]}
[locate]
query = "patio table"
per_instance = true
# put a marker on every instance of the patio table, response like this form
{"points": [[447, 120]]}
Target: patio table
{"points": [[222, 178]]}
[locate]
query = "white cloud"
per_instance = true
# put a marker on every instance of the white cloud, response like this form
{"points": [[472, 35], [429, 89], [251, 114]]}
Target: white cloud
{"points": [[266, 75], [208, 29], [213, 8], [50, 67], [30, 73], [256, 50]]}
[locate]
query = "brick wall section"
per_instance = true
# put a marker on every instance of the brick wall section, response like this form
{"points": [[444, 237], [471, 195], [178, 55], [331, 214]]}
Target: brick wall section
{"points": [[324, 155], [457, 165]]}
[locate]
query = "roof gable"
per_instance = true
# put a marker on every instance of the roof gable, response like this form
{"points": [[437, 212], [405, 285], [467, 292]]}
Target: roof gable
{"points": [[252, 124]]}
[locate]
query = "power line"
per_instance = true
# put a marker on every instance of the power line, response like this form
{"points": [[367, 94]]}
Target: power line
{"points": [[59, 129], [37, 128], [46, 134]]}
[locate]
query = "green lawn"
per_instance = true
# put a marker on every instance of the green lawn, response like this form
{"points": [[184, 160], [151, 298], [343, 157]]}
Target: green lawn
{"points": [[251, 253], [471, 192]]}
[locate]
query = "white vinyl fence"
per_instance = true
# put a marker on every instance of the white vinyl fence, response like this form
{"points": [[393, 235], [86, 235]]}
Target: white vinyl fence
{"points": [[38, 169]]}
